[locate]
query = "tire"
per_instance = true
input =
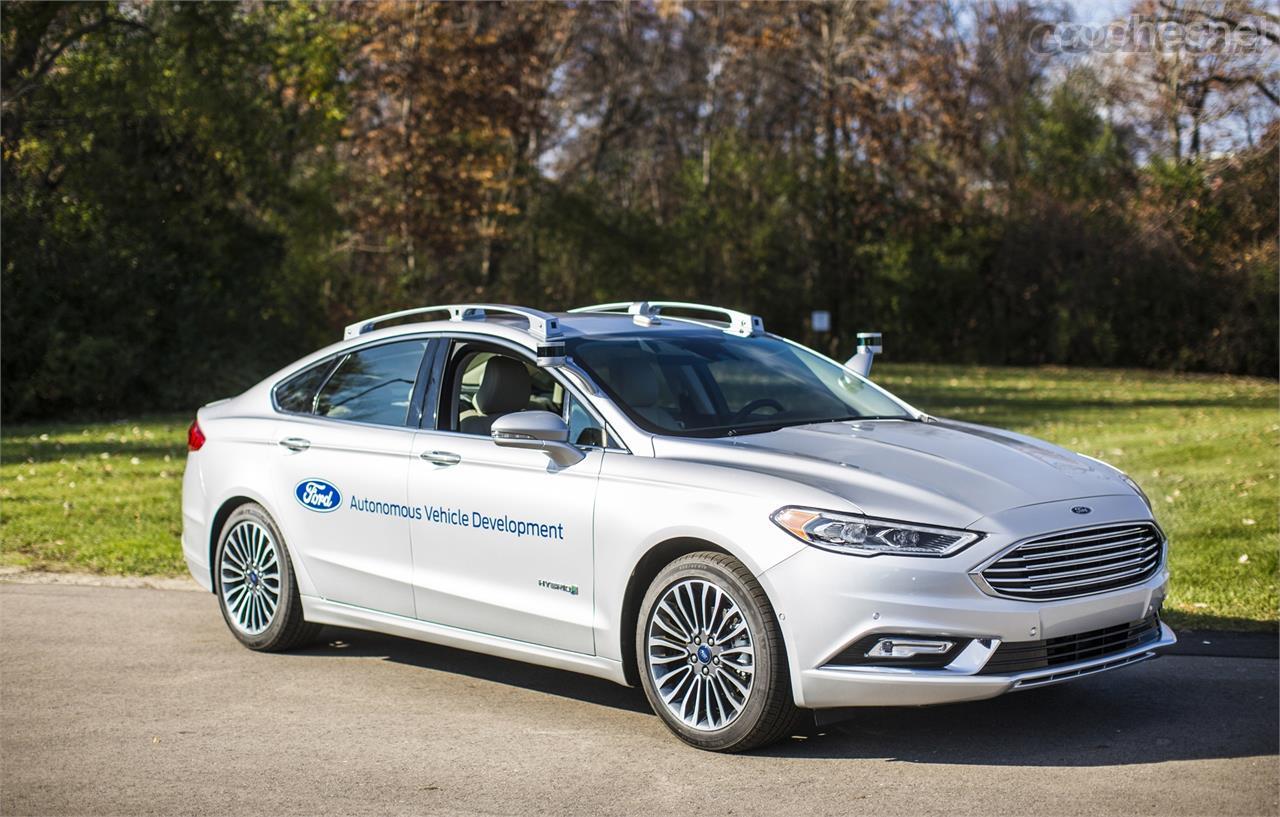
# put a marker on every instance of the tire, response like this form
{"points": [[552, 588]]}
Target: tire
{"points": [[685, 614], [255, 585]]}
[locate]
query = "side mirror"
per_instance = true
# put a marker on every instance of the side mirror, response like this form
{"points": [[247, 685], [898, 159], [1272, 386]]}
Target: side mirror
{"points": [[539, 431]]}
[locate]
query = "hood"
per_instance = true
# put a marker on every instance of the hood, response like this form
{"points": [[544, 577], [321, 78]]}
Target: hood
{"points": [[939, 472]]}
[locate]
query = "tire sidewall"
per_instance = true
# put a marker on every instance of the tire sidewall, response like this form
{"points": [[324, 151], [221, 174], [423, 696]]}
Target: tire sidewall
{"points": [[764, 683], [272, 635]]}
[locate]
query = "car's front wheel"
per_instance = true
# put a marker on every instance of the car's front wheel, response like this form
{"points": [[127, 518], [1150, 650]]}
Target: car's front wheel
{"points": [[711, 656], [255, 584]]}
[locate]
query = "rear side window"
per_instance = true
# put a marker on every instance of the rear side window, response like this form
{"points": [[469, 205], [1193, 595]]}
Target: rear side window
{"points": [[298, 394], [373, 385]]}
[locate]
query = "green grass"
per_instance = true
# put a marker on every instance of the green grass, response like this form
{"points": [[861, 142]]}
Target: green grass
{"points": [[104, 497], [101, 497]]}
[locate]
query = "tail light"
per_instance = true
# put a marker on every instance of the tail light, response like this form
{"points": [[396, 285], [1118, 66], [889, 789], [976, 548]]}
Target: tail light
{"points": [[195, 437]]}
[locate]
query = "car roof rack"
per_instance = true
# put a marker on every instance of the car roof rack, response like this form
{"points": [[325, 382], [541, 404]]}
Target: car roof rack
{"points": [[647, 313], [542, 325]]}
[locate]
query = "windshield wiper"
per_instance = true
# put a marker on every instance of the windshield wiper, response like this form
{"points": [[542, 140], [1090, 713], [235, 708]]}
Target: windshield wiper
{"points": [[884, 417], [847, 419], [759, 428], [764, 428]]}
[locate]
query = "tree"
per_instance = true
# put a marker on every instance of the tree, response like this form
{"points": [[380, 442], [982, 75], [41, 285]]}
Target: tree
{"points": [[448, 112], [156, 186]]}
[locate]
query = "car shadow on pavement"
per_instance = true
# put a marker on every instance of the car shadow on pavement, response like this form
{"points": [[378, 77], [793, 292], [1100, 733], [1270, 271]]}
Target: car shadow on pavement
{"points": [[1175, 708], [340, 642], [1168, 709]]}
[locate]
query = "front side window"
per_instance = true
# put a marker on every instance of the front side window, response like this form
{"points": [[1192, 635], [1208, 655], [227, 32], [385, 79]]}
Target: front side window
{"points": [[488, 384], [703, 385], [373, 385]]}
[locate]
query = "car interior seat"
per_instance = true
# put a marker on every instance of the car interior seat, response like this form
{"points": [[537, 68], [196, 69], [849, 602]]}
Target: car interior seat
{"points": [[505, 388]]}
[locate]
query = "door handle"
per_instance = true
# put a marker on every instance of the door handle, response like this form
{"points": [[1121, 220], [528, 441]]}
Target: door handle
{"points": [[295, 443], [441, 457]]}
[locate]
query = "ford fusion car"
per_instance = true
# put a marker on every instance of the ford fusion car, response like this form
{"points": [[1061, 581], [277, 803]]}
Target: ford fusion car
{"points": [[664, 495]]}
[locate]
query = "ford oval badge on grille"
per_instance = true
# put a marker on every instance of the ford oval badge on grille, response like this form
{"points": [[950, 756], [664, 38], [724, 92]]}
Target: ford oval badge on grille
{"points": [[318, 495], [1081, 509]]}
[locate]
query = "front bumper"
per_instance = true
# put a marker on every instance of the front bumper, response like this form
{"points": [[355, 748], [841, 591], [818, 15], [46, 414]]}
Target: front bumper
{"points": [[828, 687], [827, 601]]}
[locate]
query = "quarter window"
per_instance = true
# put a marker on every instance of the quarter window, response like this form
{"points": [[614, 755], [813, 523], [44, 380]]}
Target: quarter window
{"points": [[298, 394], [584, 429], [373, 385]]}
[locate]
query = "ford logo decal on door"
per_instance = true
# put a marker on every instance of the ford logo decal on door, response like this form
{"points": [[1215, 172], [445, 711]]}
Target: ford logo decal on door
{"points": [[318, 495]]}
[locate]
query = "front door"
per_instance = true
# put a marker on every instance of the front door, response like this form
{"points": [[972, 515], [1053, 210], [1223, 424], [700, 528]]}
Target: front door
{"points": [[505, 543]]}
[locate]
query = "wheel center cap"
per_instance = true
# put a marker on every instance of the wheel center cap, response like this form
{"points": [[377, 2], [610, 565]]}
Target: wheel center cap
{"points": [[253, 577], [704, 654]]}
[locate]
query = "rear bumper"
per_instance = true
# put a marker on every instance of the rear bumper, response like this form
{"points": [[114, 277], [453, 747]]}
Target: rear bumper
{"points": [[193, 548], [195, 532], [832, 687]]}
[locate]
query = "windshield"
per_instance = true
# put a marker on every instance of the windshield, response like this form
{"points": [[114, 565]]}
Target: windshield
{"points": [[708, 386]]}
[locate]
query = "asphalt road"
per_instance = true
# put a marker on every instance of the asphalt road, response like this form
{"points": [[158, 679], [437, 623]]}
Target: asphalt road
{"points": [[138, 701]]}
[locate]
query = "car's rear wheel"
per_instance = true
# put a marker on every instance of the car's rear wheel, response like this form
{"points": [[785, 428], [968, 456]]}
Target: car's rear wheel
{"points": [[711, 656], [255, 583]]}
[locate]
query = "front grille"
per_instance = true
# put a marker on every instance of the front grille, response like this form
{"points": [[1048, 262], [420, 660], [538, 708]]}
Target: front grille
{"points": [[1078, 563], [1021, 656]]}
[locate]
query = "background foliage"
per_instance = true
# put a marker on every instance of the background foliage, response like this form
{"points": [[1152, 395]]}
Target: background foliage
{"points": [[194, 194]]}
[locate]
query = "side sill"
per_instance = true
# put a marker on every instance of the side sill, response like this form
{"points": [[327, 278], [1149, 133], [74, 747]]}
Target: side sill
{"points": [[323, 611]]}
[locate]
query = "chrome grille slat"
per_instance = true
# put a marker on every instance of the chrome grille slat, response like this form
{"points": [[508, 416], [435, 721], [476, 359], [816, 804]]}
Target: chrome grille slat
{"points": [[1067, 538], [1065, 569], [1039, 557], [1045, 588], [1035, 567], [1064, 565]]}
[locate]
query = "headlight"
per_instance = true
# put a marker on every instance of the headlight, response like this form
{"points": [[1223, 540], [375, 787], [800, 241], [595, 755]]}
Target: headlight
{"points": [[864, 536]]}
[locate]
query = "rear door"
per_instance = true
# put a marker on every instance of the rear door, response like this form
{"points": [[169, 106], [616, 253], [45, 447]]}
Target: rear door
{"points": [[341, 468]]}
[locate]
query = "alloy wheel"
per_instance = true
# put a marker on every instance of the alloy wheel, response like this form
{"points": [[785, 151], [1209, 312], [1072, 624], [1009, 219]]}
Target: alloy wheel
{"points": [[701, 654], [250, 577]]}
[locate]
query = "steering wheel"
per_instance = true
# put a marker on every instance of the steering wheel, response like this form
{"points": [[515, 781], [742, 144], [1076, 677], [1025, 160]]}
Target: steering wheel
{"points": [[754, 406]]}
